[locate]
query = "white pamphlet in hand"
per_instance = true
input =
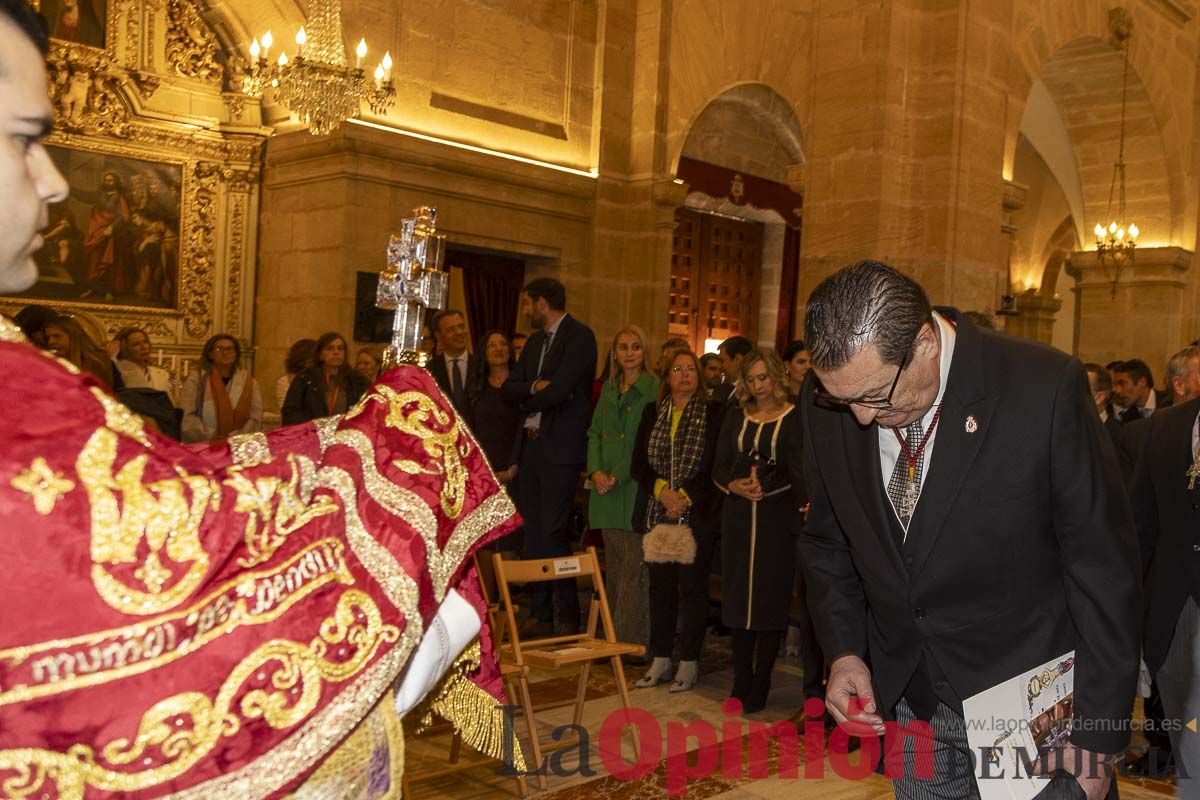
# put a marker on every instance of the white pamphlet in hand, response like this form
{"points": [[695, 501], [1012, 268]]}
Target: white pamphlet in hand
{"points": [[1011, 725]]}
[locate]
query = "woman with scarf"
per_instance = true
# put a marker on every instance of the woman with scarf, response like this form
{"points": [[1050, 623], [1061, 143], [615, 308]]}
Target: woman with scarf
{"points": [[221, 398], [672, 462], [758, 464], [329, 388]]}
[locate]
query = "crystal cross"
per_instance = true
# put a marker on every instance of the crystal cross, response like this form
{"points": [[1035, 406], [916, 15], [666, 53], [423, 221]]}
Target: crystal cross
{"points": [[412, 282]]}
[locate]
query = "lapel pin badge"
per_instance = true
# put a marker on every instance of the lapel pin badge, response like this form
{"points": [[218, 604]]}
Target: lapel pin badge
{"points": [[972, 425]]}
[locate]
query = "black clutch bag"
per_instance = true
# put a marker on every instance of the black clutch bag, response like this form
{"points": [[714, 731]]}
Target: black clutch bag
{"points": [[770, 475]]}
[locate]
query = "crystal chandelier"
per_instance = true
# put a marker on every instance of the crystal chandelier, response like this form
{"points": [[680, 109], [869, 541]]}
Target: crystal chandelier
{"points": [[316, 84], [1116, 242]]}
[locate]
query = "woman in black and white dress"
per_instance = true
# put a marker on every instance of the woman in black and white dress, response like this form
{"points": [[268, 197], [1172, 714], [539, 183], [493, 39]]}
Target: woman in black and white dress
{"points": [[759, 466]]}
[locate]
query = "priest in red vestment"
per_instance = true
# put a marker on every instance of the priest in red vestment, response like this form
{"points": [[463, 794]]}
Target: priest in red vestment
{"points": [[235, 620]]}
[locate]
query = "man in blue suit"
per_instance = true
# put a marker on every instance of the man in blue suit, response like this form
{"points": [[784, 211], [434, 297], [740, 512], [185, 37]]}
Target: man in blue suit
{"points": [[553, 382]]}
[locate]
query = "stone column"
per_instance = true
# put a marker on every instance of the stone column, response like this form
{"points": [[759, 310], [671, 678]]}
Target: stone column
{"points": [[1035, 317], [906, 144], [1145, 318], [1014, 201]]}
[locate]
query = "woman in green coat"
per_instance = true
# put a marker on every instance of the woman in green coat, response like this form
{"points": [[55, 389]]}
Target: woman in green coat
{"points": [[630, 387]]}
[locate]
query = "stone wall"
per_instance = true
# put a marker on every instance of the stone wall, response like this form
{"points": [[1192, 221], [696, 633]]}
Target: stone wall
{"points": [[909, 112]]}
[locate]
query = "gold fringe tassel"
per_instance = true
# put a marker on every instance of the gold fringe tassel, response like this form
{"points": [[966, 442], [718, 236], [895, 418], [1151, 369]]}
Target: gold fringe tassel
{"points": [[474, 713]]}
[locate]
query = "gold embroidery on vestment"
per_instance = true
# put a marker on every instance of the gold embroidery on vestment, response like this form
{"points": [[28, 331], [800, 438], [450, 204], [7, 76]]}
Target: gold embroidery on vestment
{"points": [[169, 747], [276, 509], [412, 412], [255, 598], [43, 485]]}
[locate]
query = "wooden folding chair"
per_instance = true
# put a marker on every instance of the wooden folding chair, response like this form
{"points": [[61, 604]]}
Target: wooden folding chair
{"points": [[555, 653]]}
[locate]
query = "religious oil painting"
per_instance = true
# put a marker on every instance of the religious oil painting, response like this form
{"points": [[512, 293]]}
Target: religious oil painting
{"points": [[115, 239], [78, 21]]}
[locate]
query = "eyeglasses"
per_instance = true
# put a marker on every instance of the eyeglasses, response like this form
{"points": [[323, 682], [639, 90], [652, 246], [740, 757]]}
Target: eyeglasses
{"points": [[825, 398], [223, 348], [688, 368]]}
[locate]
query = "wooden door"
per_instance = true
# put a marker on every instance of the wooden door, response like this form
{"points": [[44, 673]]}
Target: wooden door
{"points": [[716, 274]]}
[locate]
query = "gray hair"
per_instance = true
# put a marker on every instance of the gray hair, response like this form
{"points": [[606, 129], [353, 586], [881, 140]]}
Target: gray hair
{"points": [[868, 302], [1180, 364]]}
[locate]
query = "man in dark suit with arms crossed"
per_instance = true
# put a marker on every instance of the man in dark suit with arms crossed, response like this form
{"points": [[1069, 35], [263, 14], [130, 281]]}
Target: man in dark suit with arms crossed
{"points": [[967, 523], [553, 381]]}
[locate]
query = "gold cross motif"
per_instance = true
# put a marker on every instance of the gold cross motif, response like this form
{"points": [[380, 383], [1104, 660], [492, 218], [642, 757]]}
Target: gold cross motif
{"points": [[1193, 473], [43, 484]]}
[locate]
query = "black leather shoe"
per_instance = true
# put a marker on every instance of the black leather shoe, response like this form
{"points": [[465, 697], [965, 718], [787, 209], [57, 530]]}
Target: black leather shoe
{"points": [[1154, 764]]}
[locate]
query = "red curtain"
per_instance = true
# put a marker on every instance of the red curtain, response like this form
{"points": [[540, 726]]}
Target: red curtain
{"points": [[786, 321], [492, 286]]}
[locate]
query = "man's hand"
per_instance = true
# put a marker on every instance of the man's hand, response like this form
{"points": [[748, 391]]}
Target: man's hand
{"points": [[850, 698], [539, 384], [506, 476], [1093, 771]]}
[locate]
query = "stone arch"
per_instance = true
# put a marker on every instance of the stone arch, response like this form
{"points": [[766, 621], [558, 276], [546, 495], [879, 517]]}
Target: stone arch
{"points": [[748, 127], [1058, 249], [1078, 45]]}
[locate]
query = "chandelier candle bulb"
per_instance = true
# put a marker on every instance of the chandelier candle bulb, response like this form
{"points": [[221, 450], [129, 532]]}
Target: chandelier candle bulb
{"points": [[267, 41], [283, 59], [360, 53], [387, 65], [255, 50], [301, 40], [378, 76], [1133, 231]]}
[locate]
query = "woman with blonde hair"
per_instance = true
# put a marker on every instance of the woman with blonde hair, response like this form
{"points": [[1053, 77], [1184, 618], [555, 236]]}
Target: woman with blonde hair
{"points": [[759, 466], [67, 339], [630, 387], [133, 360]]}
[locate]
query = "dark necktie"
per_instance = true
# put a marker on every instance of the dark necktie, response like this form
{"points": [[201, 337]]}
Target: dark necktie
{"points": [[900, 488], [456, 387]]}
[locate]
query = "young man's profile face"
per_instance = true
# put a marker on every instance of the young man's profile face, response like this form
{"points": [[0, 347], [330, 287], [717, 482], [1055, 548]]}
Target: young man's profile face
{"points": [[29, 181]]}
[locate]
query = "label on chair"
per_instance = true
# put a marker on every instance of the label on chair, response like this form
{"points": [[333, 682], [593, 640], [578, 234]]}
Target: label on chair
{"points": [[566, 566]]}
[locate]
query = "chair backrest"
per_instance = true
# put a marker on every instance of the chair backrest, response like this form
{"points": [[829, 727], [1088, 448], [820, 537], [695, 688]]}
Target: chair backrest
{"points": [[585, 565], [548, 569]]}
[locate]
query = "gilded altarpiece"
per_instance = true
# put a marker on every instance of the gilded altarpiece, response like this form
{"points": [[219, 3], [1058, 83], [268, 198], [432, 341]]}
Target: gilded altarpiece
{"points": [[160, 94]]}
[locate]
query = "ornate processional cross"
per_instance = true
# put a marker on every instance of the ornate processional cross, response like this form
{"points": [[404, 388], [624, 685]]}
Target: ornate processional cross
{"points": [[412, 282]]}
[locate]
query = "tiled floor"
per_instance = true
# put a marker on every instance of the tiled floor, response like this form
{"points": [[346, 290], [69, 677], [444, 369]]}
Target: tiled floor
{"points": [[702, 704]]}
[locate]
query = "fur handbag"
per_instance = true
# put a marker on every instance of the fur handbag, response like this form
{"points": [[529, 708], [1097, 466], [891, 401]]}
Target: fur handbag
{"points": [[669, 543]]}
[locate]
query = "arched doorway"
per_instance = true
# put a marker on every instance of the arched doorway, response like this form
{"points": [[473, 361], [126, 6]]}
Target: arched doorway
{"points": [[737, 239]]}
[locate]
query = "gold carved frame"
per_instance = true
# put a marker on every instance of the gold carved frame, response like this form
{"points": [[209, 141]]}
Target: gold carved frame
{"points": [[159, 91]]}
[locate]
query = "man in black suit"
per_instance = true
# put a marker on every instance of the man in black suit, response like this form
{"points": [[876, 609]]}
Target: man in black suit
{"points": [[451, 366], [1166, 499], [1183, 384], [732, 352], [1100, 385], [967, 523], [553, 382], [1134, 392]]}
